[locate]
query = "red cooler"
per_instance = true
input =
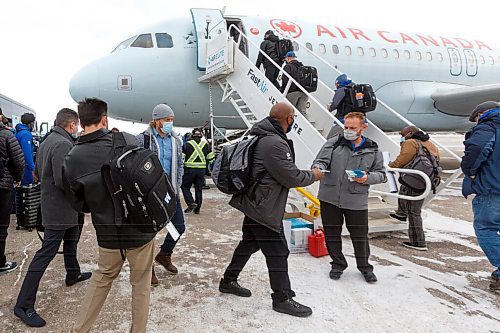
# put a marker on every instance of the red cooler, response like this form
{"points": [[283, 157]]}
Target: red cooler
{"points": [[317, 245]]}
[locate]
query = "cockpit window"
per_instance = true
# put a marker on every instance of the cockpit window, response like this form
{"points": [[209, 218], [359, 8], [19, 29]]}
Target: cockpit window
{"points": [[143, 40], [124, 44], [164, 40]]}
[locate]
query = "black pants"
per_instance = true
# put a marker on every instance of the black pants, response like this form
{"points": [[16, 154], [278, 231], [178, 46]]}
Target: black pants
{"points": [[272, 73], [193, 176], [274, 247], [357, 223], [413, 210], [51, 242], [5, 208]]}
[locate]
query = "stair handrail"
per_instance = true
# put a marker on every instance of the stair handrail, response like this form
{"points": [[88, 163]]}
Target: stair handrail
{"points": [[428, 185], [409, 123]]}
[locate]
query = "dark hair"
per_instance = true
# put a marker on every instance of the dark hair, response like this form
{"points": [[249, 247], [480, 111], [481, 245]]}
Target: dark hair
{"points": [[1, 112], [27, 118], [5, 121], [91, 110], [65, 117]]}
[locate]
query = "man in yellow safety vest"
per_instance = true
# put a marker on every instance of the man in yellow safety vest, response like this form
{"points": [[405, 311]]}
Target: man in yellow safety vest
{"points": [[196, 155]]}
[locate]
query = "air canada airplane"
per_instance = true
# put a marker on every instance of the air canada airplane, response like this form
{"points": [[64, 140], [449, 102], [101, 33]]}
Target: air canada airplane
{"points": [[432, 80]]}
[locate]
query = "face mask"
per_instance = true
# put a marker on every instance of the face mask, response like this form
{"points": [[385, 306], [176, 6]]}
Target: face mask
{"points": [[402, 139], [167, 127], [290, 126], [350, 135]]}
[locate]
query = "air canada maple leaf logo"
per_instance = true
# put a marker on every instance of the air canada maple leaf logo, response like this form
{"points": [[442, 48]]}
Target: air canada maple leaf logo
{"points": [[287, 27]]}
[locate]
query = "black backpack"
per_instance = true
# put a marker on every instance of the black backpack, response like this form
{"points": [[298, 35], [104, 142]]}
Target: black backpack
{"points": [[142, 194], [361, 97], [232, 172], [307, 77], [283, 47], [423, 161]]}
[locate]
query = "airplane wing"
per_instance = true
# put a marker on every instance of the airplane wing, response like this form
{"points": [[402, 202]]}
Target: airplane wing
{"points": [[461, 101]]}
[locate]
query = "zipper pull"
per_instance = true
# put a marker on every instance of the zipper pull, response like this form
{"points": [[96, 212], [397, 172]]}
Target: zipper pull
{"points": [[138, 189]]}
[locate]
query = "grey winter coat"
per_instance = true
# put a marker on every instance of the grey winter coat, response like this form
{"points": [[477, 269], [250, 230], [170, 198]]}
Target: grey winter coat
{"points": [[57, 213], [274, 165], [12, 157], [177, 158], [336, 188]]}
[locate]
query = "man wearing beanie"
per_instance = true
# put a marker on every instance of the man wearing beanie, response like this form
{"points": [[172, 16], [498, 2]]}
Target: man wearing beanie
{"points": [[270, 47], [481, 167], [160, 138], [25, 138]]}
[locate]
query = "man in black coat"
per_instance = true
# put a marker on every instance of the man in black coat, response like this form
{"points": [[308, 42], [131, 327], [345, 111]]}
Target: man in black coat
{"points": [[59, 219], [270, 47], [87, 192], [295, 95], [11, 169], [264, 205]]}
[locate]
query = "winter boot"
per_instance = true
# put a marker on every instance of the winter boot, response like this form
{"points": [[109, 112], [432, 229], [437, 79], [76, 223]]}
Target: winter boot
{"points": [[166, 262]]}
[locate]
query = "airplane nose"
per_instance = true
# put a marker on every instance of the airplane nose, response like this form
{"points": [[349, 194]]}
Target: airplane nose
{"points": [[85, 83]]}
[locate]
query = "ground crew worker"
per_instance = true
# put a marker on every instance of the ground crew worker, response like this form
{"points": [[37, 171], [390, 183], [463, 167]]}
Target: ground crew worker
{"points": [[197, 153]]}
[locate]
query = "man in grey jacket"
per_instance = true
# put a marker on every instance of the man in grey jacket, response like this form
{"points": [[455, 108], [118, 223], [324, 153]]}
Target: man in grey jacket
{"points": [[58, 217], [341, 197], [264, 204]]}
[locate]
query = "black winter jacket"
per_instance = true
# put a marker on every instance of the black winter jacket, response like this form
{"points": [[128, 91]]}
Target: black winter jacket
{"points": [[274, 165], [87, 192], [12, 157], [270, 47], [291, 68]]}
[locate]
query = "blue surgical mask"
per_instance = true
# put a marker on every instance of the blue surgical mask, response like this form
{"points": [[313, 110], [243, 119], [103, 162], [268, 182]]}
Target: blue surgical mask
{"points": [[167, 127], [402, 139]]}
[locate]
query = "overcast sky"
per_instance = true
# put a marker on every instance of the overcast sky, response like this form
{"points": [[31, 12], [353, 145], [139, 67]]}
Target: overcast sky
{"points": [[43, 43]]}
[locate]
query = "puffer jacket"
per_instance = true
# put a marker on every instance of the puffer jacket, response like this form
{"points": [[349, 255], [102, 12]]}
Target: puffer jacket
{"points": [[86, 191], [25, 139], [481, 162], [270, 47], [274, 165], [409, 149], [12, 157], [336, 188], [291, 68]]}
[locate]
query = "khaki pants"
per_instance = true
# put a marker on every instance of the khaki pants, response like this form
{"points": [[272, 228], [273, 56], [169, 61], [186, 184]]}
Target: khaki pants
{"points": [[110, 264]]}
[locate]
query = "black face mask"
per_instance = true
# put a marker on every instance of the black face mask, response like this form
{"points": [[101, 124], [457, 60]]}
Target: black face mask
{"points": [[290, 126]]}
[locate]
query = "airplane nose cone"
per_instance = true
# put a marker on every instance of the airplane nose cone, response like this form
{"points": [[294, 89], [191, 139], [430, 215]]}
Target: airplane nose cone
{"points": [[85, 83]]}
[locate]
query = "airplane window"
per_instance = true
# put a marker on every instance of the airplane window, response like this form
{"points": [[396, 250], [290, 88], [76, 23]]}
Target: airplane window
{"points": [[143, 40], [373, 53], [295, 46], [164, 40], [439, 56], [418, 55], [481, 59], [454, 57], [322, 48], [396, 54], [335, 49], [429, 56], [385, 54], [361, 51], [492, 61], [124, 44], [348, 50], [407, 54], [309, 46]]}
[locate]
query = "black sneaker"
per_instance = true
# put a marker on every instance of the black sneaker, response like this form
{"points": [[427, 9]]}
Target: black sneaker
{"points": [[80, 278], [29, 317], [370, 277], [233, 287], [335, 274], [397, 216], [293, 308], [197, 211], [190, 208], [414, 246], [8, 267]]}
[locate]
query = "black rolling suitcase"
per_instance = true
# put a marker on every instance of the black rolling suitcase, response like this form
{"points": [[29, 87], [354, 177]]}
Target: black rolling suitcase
{"points": [[27, 206]]}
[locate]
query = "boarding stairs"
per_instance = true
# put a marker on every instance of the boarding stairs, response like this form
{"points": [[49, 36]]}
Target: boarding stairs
{"points": [[252, 95]]}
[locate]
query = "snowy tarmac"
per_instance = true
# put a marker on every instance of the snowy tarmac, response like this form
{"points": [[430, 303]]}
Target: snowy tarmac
{"points": [[442, 290]]}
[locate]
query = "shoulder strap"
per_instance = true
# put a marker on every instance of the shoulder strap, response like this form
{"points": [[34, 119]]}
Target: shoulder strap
{"points": [[118, 210], [119, 140], [147, 140]]}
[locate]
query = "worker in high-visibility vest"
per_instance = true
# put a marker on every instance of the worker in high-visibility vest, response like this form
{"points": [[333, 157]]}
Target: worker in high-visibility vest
{"points": [[197, 154]]}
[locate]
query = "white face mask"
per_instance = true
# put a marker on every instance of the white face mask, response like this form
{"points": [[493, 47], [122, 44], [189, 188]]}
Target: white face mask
{"points": [[402, 139], [350, 135]]}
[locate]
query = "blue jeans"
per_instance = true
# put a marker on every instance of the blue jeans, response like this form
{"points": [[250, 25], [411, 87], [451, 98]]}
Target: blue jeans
{"points": [[178, 222], [487, 226]]}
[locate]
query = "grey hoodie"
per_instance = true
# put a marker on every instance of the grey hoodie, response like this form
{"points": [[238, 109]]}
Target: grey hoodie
{"points": [[336, 188]]}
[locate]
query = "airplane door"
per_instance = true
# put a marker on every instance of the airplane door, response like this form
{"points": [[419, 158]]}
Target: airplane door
{"points": [[208, 24], [455, 62], [471, 62]]}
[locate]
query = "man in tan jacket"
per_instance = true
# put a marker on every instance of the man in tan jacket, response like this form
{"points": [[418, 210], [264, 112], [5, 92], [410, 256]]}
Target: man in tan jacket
{"points": [[411, 137]]}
